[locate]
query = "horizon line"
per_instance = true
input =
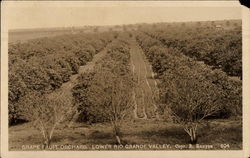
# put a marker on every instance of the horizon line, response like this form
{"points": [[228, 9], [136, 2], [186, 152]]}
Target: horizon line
{"points": [[111, 25]]}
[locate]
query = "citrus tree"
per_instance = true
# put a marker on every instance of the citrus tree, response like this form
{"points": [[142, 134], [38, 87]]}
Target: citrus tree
{"points": [[46, 113], [190, 99]]}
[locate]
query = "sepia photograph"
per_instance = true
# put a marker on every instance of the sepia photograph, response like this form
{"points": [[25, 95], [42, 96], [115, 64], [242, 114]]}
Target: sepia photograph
{"points": [[123, 76]]}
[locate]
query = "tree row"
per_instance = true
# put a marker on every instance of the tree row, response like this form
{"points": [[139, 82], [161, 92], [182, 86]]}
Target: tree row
{"points": [[104, 94], [42, 65], [190, 91], [217, 47]]}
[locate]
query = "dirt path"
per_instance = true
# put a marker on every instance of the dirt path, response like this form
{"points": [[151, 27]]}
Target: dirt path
{"points": [[66, 87], [145, 106]]}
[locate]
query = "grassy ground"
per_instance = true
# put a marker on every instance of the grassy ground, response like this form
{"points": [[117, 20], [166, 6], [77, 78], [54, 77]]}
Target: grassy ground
{"points": [[140, 132]]}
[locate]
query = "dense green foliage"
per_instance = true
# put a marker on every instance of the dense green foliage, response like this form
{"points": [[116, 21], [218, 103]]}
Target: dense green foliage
{"points": [[186, 83], [218, 47], [190, 91], [109, 83], [147, 82], [42, 65]]}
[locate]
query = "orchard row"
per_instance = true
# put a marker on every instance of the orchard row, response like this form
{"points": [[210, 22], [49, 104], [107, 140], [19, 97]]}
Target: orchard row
{"points": [[42, 65], [217, 47]]}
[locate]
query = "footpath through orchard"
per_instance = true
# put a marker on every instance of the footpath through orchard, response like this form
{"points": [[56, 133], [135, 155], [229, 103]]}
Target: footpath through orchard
{"points": [[146, 90]]}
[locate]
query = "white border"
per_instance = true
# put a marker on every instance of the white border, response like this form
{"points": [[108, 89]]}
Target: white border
{"points": [[119, 154], [246, 77]]}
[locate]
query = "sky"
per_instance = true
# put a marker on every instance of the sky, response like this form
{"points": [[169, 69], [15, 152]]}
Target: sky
{"points": [[44, 16]]}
